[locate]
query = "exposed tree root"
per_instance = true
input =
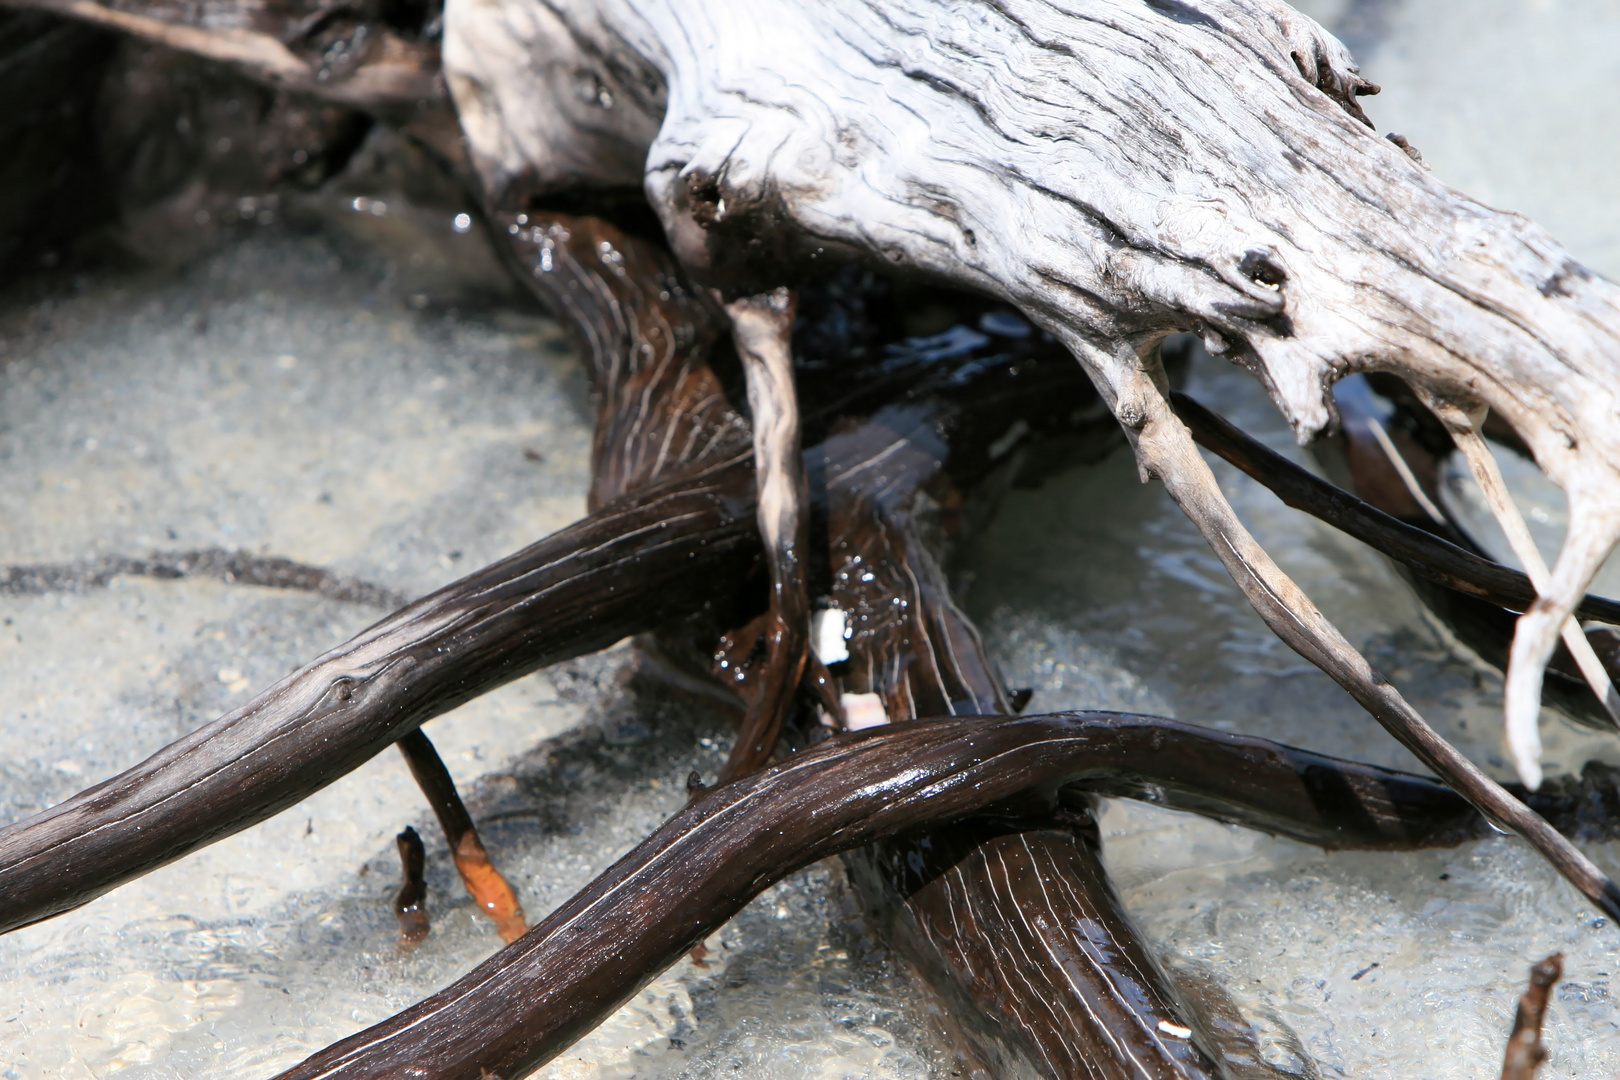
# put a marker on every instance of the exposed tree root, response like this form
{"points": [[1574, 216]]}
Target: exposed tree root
{"points": [[1416, 549], [486, 885], [1201, 165], [410, 903], [1370, 448], [627, 568], [535, 997], [762, 328]]}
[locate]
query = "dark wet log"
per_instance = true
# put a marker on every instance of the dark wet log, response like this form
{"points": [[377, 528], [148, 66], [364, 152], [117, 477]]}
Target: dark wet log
{"points": [[1525, 1053], [410, 903], [1424, 553], [1014, 924], [484, 882], [1033, 951], [625, 569], [535, 997]]}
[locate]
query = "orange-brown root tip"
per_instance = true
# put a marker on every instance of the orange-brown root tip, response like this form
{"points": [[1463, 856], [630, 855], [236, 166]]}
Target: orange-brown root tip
{"points": [[489, 889]]}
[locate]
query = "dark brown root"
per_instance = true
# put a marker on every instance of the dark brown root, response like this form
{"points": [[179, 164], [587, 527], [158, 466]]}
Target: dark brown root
{"points": [[410, 903], [625, 569], [538, 995]]}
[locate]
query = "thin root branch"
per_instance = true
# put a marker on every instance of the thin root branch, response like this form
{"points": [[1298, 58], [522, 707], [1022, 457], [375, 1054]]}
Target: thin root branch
{"points": [[1166, 449], [1525, 1052], [762, 327], [484, 882], [410, 904], [1524, 739]]}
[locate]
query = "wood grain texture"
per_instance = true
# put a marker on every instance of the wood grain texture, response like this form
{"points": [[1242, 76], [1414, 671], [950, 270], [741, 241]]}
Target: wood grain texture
{"points": [[1014, 924], [533, 998], [1119, 170], [623, 570]]}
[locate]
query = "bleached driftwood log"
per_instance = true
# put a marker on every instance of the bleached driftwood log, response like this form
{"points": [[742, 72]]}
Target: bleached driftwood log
{"points": [[1120, 170]]}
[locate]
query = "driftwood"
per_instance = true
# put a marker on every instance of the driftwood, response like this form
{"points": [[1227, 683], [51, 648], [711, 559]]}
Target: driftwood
{"points": [[1118, 172], [533, 998], [1419, 813], [1395, 464]]}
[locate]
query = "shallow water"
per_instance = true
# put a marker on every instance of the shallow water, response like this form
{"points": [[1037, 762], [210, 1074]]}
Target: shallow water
{"points": [[1516, 102], [286, 396], [1128, 609]]}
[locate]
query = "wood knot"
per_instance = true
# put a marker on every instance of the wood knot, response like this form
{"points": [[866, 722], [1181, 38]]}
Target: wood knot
{"points": [[704, 200], [1262, 269]]}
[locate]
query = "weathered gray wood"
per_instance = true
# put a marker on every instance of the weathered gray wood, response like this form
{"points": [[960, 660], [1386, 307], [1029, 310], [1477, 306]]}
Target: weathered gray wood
{"points": [[1119, 169]]}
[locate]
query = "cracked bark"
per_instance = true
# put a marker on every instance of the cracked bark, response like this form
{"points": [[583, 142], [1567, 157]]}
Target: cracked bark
{"points": [[1119, 171]]}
